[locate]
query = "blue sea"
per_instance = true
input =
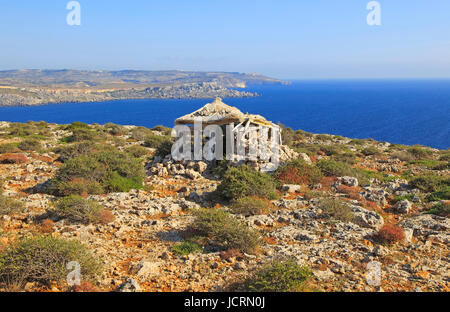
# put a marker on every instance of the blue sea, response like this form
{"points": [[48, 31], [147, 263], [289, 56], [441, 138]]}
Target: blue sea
{"points": [[397, 111]]}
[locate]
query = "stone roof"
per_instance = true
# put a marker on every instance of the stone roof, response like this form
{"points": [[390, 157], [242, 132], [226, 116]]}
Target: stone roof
{"points": [[219, 113]]}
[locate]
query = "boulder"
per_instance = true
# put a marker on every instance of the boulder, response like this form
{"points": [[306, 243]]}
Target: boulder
{"points": [[291, 188], [403, 206], [130, 285], [367, 219], [349, 181]]}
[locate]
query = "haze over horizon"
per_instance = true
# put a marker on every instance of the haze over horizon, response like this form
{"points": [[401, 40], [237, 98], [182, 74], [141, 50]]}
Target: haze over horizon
{"points": [[323, 39]]}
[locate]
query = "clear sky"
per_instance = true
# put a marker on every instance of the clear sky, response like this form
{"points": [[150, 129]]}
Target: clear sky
{"points": [[281, 38]]}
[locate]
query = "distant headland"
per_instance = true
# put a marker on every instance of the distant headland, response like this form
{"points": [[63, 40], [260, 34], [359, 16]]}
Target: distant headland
{"points": [[37, 87]]}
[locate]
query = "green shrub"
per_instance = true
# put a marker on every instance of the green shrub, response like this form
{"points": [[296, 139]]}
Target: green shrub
{"points": [[154, 141], [140, 133], [443, 194], [332, 168], [136, 151], [370, 151], [444, 155], [224, 230], [441, 209], [9, 206], [75, 186], [164, 130], [117, 183], [429, 182], [250, 206], [8, 148], [186, 248], [114, 129], [403, 197], [78, 209], [77, 125], [75, 150], [298, 172], [82, 134], [244, 181], [419, 153], [164, 149], [108, 170], [337, 210], [29, 145], [280, 276], [44, 259]]}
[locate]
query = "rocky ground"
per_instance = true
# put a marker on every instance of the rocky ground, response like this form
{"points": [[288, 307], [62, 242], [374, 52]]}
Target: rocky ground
{"points": [[137, 247]]}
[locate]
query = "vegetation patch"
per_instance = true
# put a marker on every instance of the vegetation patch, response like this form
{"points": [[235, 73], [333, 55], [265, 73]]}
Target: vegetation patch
{"points": [[280, 276], [186, 248], [225, 231], [44, 259], [390, 233], [250, 206], [104, 171], [298, 172], [9, 206], [77, 209], [337, 210]]}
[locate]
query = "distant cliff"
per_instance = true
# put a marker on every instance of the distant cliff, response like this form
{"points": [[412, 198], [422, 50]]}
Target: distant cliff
{"points": [[35, 87]]}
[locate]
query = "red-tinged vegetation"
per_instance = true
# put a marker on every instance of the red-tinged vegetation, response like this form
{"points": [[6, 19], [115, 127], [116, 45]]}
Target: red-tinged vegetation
{"points": [[351, 192], [390, 233], [105, 217], [231, 253], [85, 287], [47, 226], [13, 159]]}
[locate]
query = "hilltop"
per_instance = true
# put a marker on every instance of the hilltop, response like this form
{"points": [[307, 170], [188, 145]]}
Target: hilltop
{"points": [[140, 221], [34, 87]]}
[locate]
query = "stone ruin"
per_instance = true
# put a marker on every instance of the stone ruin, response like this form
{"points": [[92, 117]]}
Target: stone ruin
{"points": [[244, 130]]}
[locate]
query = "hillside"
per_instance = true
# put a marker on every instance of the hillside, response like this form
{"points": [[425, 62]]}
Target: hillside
{"points": [[147, 223], [34, 87]]}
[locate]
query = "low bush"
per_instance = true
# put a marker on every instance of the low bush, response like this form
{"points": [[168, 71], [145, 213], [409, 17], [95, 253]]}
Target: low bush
{"points": [[400, 198], [82, 134], [298, 172], [8, 148], [337, 209], [78, 209], [280, 276], [419, 153], [442, 194], [390, 233], [140, 133], [13, 159], [440, 209], [9, 206], [116, 130], [224, 230], [75, 150], [370, 151], [104, 171], [163, 130], [403, 156], [186, 248], [332, 168], [429, 182], [44, 259], [244, 181], [136, 151], [30, 145], [250, 206]]}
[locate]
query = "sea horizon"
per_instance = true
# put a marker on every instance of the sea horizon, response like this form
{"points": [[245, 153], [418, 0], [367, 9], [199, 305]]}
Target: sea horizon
{"points": [[398, 111]]}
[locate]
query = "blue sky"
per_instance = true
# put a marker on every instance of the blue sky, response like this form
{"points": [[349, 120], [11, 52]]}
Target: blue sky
{"points": [[281, 38]]}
